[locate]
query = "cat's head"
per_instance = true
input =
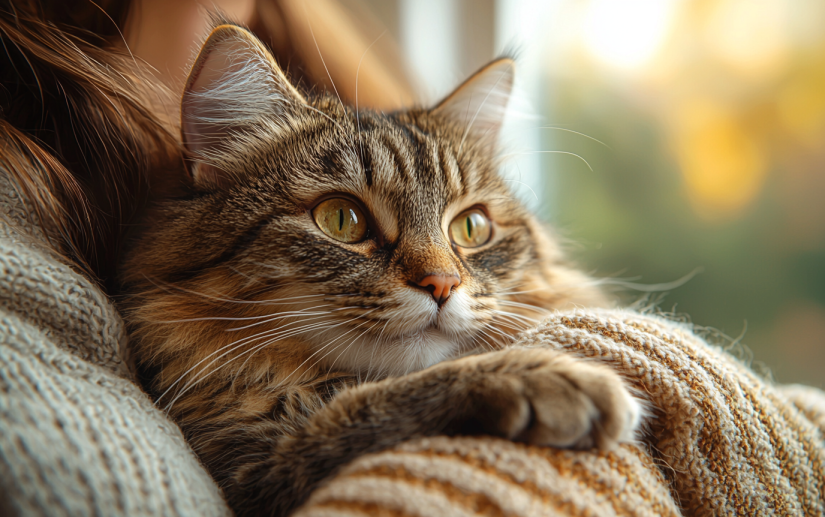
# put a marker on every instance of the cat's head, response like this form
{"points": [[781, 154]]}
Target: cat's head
{"points": [[318, 234]]}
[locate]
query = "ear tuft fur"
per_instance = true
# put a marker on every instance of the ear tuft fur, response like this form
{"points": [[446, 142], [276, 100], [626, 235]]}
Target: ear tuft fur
{"points": [[234, 85], [480, 103]]}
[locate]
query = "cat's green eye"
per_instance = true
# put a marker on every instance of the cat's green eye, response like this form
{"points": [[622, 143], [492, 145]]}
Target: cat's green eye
{"points": [[341, 219], [471, 229]]}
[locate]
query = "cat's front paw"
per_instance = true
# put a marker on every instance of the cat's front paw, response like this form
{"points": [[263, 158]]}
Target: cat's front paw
{"points": [[543, 397]]}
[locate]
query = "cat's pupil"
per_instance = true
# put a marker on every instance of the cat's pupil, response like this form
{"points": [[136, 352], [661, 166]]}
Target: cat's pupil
{"points": [[469, 227], [340, 219]]}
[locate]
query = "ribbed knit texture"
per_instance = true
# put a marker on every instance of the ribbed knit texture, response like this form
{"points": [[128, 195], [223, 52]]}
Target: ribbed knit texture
{"points": [[77, 436], [720, 441]]}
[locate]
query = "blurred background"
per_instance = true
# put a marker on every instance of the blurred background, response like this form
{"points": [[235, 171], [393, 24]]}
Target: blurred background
{"points": [[664, 139]]}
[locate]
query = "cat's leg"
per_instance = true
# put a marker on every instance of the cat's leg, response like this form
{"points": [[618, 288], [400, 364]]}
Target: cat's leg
{"points": [[530, 394]]}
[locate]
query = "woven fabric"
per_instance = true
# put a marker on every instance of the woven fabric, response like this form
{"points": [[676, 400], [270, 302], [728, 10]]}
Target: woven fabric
{"points": [[719, 441]]}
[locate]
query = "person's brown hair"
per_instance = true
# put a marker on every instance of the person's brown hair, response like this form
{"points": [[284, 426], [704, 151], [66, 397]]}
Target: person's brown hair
{"points": [[78, 136]]}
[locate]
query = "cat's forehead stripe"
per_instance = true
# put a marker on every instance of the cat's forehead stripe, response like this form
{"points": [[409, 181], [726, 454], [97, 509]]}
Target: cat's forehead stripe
{"points": [[400, 157], [392, 150], [453, 174], [366, 162]]}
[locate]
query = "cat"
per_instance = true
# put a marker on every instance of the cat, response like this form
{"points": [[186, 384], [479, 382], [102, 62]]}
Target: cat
{"points": [[333, 281]]}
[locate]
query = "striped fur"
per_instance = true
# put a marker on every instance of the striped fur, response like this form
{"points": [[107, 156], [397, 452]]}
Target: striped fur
{"points": [[265, 339]]}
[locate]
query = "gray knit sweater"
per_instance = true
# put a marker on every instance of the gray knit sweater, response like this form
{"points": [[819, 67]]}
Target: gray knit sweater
{"points": [[77, 435]]}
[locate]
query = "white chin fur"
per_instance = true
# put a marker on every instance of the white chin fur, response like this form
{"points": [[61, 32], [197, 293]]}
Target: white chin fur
{"points": [[423, 336], [396, 356]]}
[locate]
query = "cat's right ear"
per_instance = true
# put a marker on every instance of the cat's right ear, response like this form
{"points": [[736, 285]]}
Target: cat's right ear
{"points": [[479, 104], [234, 85]]}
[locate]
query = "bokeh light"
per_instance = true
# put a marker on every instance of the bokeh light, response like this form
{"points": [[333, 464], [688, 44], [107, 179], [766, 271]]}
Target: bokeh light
{"points": [[627, 34], [723, 167], [750, 36], [714, 111]]}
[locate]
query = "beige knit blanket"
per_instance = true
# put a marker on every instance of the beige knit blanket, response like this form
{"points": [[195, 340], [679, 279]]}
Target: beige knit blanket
{"points": [[720, 441]]}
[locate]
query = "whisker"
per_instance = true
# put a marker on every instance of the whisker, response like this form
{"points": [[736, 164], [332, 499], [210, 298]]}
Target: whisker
{"points": [[666, 286], [238, 343], [535, 308], [513, 315], [318, 326], [576, 132], [526, 185], [499, 339], [281, 383], [374, 347], [511, 325], [203, 374], [323, 62], [284, 315], [320, 55], [512, 293], [243, 318], [498, 331], [269, 342], [478, 337], [357, 114], [198, 380], [348, 332], [569, 153], [332, 366], [334, 123], [280, 301]]}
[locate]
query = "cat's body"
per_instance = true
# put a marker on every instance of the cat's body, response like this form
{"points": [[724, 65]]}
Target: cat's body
{"points": [[278, 334], [262, 327]]}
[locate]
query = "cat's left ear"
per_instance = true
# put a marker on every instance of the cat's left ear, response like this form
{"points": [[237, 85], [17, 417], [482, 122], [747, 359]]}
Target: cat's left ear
{"points": [[480, 103], [234, 85]]}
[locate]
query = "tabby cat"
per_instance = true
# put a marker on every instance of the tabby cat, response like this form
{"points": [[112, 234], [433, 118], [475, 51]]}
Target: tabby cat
{"points": [[334, 281]]}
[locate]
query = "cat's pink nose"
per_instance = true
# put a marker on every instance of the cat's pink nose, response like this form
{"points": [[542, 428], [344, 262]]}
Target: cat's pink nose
{"points": [[439, 286]]}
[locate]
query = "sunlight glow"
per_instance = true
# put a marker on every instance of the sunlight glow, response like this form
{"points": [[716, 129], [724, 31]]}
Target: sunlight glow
{"points": [[750, 35], [627, 34]]}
